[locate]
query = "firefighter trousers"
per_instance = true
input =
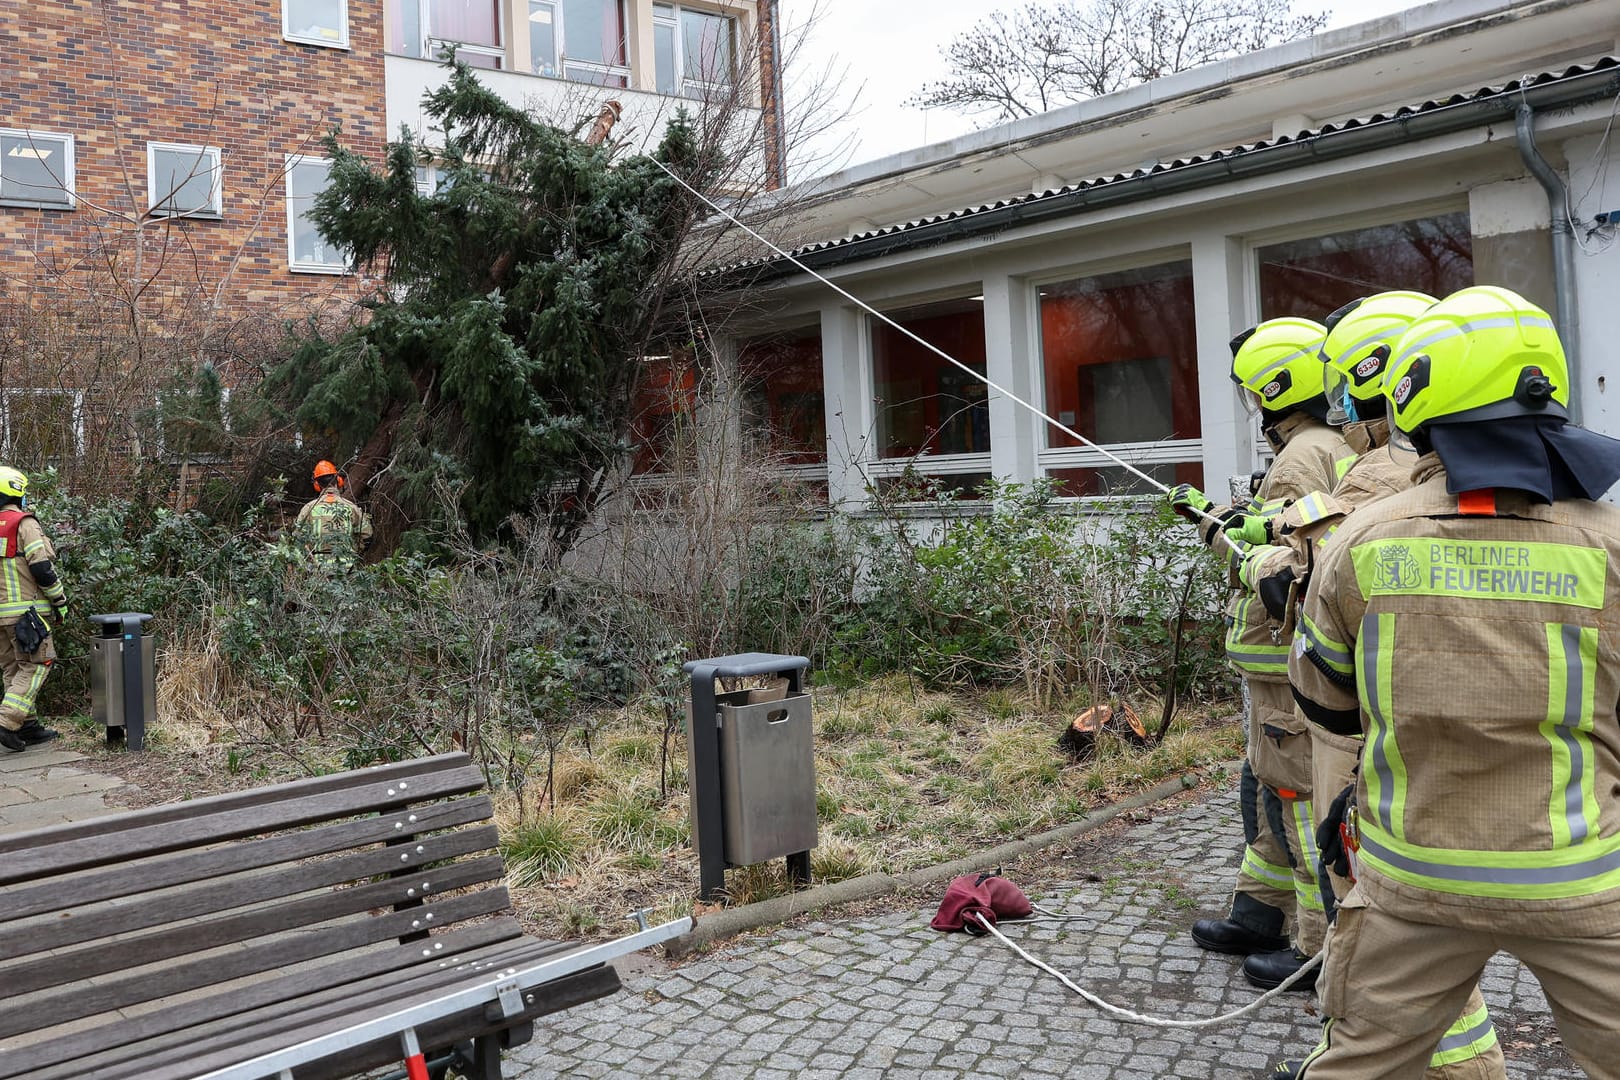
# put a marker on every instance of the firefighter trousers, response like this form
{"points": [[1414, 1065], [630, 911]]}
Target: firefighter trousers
{"points": [[24, 673], [1392, 990]]}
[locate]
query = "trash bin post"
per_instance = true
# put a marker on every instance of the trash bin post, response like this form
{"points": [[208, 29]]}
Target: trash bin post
{"points": [[708, 818], [123, 696]]}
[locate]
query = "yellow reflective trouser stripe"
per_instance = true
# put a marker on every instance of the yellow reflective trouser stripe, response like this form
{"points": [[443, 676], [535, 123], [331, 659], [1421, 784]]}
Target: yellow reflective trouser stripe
{"points": [[24, 702], [1277, 877], [1571, 663], [1472, 1035], [22, 607], [1308, 895], [1386, 780]]}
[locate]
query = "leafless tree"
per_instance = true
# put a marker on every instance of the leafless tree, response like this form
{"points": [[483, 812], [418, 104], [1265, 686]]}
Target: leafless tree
{"points": [[1044, 55]]}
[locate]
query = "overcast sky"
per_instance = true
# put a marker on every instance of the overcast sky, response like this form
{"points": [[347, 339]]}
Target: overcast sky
{"points": [[885, 50]]}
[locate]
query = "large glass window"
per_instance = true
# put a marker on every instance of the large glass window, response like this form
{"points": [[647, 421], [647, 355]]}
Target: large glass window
{"points": [[36, 169], [429, 28], [581, 40], [316, 22], [663, 414], [184, 181], [1312, 278], [925, 404], [784, 398], [1120, 360], [693, 51], [307, 249]]}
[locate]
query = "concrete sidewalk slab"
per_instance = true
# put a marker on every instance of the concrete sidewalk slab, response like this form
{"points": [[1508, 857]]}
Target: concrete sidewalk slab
{"points": [[43, 786]]}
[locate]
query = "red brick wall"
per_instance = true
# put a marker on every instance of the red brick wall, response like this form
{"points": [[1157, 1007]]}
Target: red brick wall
{"points": [[120, 73]]}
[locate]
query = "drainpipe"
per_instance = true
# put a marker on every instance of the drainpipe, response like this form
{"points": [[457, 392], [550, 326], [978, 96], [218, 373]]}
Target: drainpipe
{"points": [[1563, 241]]}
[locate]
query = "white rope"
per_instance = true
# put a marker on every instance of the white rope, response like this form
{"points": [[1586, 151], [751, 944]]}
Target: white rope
{"points": [[1143, 1018], [1162, 487], [1048, 913]]}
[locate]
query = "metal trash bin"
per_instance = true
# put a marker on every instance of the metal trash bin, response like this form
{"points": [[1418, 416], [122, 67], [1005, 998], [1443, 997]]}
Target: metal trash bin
{"points": [[751, 768], [123, 676]]}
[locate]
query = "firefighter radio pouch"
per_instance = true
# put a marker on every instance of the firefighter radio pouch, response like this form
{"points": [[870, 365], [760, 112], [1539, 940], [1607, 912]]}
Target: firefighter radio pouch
{"points": [[31, 633]]}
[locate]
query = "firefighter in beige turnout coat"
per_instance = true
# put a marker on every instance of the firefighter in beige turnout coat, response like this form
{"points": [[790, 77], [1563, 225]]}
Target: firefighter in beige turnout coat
{"points": [[1277, 367], [30, 590], [1485, 815], [1361, 336]]}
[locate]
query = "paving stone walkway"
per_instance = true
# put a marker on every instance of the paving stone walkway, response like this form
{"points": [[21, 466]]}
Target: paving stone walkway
{"points": [[886, 997], [42, 786]]}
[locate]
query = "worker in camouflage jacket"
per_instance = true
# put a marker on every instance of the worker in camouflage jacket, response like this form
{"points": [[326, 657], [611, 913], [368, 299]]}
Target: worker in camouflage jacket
{"points": [[1486, 812], [332, 528], [30, 590], [1279, 374]]}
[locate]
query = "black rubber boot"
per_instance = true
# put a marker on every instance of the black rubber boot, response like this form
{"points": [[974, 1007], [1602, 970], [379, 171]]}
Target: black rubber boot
{"points": [[33, 733], [1286, 1070], [1226, 936], [1268, 970], [12, 741]]}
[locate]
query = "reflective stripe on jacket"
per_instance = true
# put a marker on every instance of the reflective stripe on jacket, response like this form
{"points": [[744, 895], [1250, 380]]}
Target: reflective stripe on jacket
{"points": [[1486, 656]]}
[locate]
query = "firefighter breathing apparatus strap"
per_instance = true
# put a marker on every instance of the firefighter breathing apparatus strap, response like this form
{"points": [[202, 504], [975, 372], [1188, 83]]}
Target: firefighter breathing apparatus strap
{"points": [[1142, 1018]]}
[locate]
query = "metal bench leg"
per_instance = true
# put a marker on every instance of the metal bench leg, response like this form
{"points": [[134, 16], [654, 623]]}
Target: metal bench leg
{"points": [[486, 1061]]}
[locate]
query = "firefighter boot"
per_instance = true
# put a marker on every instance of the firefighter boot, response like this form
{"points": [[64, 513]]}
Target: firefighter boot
{"points": [[11, 740], [1252, 927], [1285, 1070], [1268, 970], [33, 733]]}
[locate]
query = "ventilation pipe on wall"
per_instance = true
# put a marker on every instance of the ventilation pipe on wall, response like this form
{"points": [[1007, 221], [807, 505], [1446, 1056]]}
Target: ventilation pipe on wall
{"points": [[1563, 241]]}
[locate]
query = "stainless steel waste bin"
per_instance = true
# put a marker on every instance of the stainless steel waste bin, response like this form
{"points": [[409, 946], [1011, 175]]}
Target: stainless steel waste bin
{"points": [[123, 676], [751, 768]]}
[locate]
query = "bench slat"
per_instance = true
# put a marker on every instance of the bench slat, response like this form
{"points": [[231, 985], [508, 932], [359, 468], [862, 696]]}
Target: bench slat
{"points": [[76, 925], [112, 1031], [171, 812], [74, 1002], [100, 958], [564, 993], [300, 1020], [122, 844], [109, 883]]}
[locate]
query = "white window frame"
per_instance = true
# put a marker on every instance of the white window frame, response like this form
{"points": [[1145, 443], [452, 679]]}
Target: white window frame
{"points": [[216, 200], [340, 42], [293, 161], [673, 22], [8, 394], [564, 61], [68, 167], [429, 48]]}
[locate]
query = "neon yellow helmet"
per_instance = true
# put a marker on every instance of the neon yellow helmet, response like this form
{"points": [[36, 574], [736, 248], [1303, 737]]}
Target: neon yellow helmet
{"points": [[1277, 361], [1482, 353], [1361, 339], [12, 482]]}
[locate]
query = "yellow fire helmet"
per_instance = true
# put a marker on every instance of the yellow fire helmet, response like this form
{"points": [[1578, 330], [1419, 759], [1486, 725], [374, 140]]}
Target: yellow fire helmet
{"points": [[1482, 353], [12, 482], [1277, 362], [1361, 339]]}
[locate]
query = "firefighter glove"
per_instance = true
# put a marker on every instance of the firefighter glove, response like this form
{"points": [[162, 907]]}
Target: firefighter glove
{"points": [[1273, 592], [1329, 838], [1189, 502], [60, 611], [1250, 528]]}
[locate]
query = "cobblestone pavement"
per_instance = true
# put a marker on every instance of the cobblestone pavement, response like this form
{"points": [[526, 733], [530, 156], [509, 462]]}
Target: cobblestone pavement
{"points": [[887, 997]]}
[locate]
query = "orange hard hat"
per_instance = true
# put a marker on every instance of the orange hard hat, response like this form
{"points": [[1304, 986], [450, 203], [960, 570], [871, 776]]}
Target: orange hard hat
{"points": [[324, 470]]}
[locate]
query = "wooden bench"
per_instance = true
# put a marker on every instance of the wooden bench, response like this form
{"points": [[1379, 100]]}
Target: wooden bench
{"points": [[344, 916]]}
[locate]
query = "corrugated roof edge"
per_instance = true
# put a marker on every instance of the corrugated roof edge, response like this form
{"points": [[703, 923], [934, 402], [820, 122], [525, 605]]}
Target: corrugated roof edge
{"points": [[1581, 82]]}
